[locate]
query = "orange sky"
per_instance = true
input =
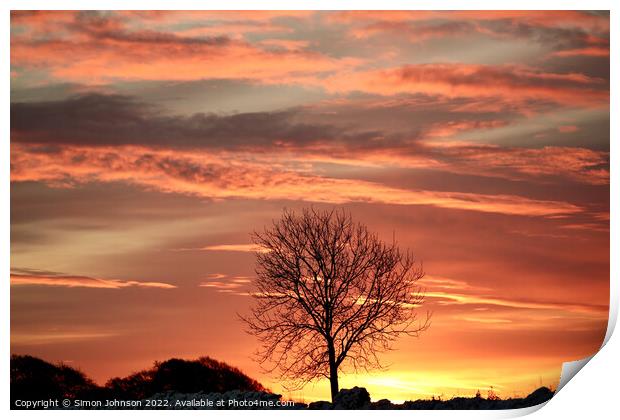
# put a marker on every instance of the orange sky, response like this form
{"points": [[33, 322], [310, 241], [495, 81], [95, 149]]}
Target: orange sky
{"points": [[147, 146]]}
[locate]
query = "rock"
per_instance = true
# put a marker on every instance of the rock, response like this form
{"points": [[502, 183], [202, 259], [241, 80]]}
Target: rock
{"points": [[352, 399], [383, 404], [539, 396], [320, 405]]}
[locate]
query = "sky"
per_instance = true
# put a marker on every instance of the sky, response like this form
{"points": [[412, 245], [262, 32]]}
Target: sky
{"points": [[146, 147]]}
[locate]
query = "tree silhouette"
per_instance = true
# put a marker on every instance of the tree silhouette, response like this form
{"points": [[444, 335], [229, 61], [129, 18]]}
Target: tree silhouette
{"points": [[330, 296]]}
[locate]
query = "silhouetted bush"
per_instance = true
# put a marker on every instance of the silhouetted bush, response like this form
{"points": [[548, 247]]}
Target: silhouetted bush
{"points": [[184, 376], [36, 379]]}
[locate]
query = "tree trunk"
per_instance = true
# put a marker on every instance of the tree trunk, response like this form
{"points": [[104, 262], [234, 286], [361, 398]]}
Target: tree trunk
{"points": [[333, 371]]}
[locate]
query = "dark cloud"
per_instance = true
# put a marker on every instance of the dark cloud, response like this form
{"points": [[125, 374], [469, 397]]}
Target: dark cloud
{"points": [[106, 26], [593, 66], [421, 30], [557, 38], [54, 92], [369, 128], [97, 119], [361, 123]]}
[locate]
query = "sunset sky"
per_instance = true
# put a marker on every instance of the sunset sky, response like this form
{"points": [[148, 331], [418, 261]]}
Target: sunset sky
{"points": [[147, 146]]}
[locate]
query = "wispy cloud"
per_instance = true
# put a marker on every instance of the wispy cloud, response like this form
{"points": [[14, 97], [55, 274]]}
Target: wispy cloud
{"points": [[228, 284], [519, 163], [474, 80], [466, 301], [207, 175], [27, 277], [443, 298], [100, 46], [438, 282], [226, 247], [56, 337]]}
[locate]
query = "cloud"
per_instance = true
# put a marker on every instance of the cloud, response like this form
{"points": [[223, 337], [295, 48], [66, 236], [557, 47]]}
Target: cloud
{"points": [[222, 16], [220, 286], [460, 300], [438, 282], [541, 165], [228, 284], [568, 128], [560, 18], [443, 298], [486, 320], [346, 132], [476, 80], [27, 277], [103, 47], [55, 337], [583, 52], [108, 46], [286, 44], [575, 163], [221, 177], [415, 32], [216, 276], [115, 119], [228, 247], [551, 28]]}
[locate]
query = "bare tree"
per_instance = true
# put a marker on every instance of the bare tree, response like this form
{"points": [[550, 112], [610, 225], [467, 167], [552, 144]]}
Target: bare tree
{"points": [[331, 295]]}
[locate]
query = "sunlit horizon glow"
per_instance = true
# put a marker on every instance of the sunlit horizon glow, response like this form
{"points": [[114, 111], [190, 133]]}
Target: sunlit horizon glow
{"points": [[147, 147]]}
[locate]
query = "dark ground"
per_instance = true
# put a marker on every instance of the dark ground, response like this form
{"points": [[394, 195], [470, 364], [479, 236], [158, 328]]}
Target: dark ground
{"points": [[180, 384]]}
